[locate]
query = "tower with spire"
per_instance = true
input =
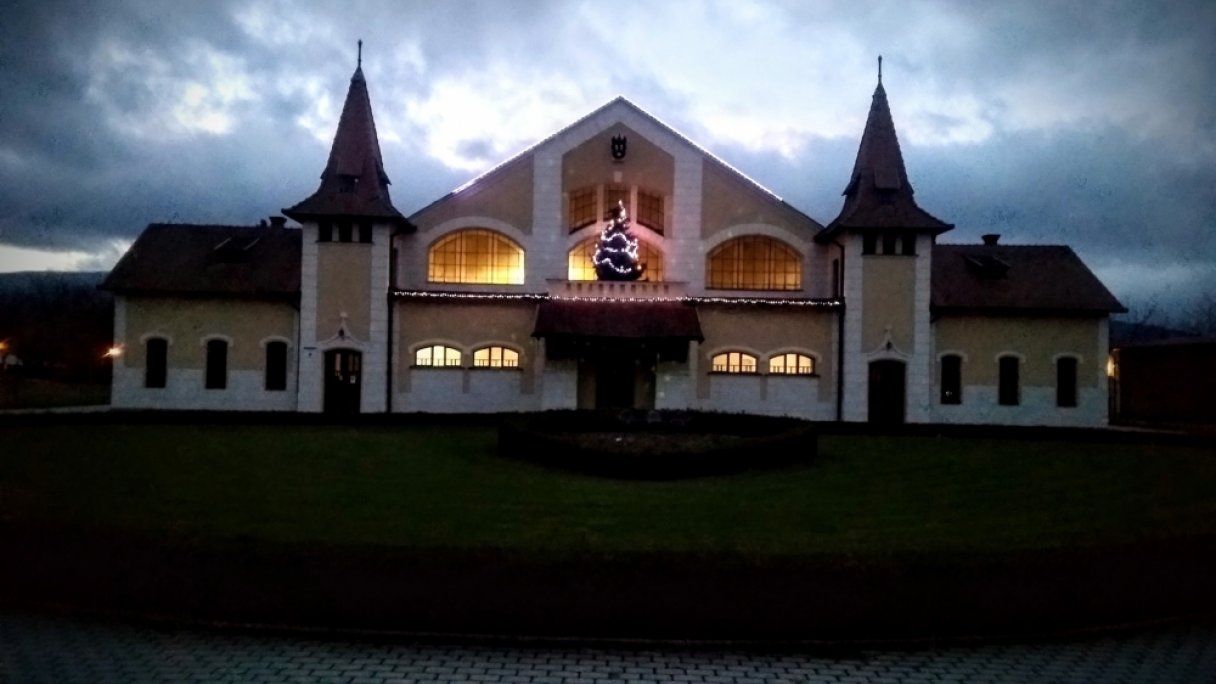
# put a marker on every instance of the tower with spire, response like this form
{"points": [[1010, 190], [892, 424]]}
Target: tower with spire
{"points": [[348, 224], [885, 243]]}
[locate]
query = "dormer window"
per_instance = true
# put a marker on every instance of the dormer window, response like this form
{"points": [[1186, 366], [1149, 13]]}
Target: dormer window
{"points": [[347, 183], [988, 267]]}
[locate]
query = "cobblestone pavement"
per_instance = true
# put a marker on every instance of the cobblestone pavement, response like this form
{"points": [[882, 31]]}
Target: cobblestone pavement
{"points": [[42, 649]]}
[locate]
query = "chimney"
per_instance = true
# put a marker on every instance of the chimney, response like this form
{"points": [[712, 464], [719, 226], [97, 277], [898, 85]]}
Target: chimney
{"points": [[991, 239], [278, 222]]}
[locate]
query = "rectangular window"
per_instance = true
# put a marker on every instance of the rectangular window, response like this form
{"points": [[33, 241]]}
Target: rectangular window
{"points": [[952, 380], [612, 195], [1008, 391], [909, 245], [1066, 382], [582, 208], [276, 366], [156, 362], [650, 211], [344, 231], [869, 243], [325, 232], [888, 242], [217, 364], [365, 231]]}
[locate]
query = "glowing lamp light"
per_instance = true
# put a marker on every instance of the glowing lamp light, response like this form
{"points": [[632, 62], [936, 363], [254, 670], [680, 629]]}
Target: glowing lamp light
{"points": [[112, 352], [1111, 368]]}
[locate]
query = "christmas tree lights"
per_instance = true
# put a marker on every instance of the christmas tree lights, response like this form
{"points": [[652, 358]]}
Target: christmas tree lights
{"points": [[616, 253]]}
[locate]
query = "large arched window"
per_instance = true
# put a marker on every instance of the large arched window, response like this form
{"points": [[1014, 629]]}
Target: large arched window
{"points": [[476, 256], [754, 262], [580, 266]]}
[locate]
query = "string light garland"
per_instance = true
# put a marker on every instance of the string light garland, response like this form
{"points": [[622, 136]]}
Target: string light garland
{"points": [[533, 297]]}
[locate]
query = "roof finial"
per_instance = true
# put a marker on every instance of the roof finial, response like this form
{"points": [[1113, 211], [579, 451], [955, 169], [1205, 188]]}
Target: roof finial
{"points": [[880, 70], [360, 63]]}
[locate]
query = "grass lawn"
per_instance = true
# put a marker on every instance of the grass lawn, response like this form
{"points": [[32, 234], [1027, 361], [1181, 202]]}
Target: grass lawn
{"points": [[425, 487], [36, 393]]}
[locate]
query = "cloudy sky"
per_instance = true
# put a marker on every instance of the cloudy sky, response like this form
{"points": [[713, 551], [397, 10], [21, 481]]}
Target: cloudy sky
{"points": [[1086, 123]]}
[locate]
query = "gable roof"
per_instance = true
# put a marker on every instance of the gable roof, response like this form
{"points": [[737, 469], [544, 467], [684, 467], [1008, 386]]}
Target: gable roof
{"points": [[183, 259], [879, 194], [1016, 279], [622, 102], [354, 182]]}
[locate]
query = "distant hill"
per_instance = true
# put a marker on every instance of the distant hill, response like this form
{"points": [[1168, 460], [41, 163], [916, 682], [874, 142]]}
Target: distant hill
{"points": [[1126, 332], [58, 323]]}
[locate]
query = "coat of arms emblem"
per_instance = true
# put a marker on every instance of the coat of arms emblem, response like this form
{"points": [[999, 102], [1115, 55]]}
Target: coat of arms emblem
{"points": [[618, 147]]}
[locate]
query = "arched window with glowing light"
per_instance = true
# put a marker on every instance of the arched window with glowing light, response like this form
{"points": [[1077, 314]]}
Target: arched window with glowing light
{"points": [[754, 262], [791, 363], [495, 356], [733, 362], [580, 267], [437, 355], [476, 255]]}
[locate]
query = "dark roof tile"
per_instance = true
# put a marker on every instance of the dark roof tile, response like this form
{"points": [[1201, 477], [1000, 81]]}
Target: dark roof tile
{"points": [[1016, 278], [242, 261]]}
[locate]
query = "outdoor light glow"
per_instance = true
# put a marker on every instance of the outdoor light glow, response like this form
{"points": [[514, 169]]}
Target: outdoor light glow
{"points": [[112, 352], [1110, 366]]}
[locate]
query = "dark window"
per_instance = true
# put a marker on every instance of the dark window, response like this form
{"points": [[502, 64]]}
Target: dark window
{"points": [[888, 243], [582, 208], [365, 231], [650, 211], [952, 379], [869, 243], [276, 366], [909, 245], [1008, 391], [325, 232], [1066, 382], [344, 231], [156, 362], [217, 364]]}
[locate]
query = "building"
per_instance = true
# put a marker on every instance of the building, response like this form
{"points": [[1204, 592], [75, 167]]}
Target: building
{"points": [[486, 300]]}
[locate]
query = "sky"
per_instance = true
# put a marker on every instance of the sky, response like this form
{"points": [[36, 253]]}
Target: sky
{"points": [[1091, 124]]}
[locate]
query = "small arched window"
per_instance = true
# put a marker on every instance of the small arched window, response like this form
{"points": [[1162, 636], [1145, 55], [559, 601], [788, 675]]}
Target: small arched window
{"points": [[754, 262], [495, 357], [276, 365], [437, 355], [216, 376], [733, 362], [579, 266], [156, 362], [476, 256], [792, 364]]}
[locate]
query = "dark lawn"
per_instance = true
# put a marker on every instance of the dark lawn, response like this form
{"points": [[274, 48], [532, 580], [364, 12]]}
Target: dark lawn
{"points": [[36, 393], [444, 487]]}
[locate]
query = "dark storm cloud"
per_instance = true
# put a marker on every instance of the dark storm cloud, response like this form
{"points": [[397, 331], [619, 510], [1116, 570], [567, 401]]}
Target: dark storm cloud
{"points": [[1085, 123]]}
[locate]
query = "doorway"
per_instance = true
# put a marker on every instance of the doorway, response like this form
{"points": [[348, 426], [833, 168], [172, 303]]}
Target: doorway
{"points": [[617, 376], [343, 375], [887, 392]]}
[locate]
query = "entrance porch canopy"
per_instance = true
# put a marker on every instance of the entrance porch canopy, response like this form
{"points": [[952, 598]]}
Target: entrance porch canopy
{"points": [[569, 325]]}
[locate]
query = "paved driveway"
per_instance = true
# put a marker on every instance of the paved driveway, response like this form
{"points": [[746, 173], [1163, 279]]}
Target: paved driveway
{"points": [[40, 649]]}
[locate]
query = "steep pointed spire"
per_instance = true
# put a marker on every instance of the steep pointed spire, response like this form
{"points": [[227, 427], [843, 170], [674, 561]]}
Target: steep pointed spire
{"points": [[354, 183], [879, 194]]}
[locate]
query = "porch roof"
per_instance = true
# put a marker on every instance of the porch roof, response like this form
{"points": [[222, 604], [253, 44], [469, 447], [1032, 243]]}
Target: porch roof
{"points": [[618, 319]]}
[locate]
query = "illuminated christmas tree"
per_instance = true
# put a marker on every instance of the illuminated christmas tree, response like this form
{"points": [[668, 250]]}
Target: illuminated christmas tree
{"points": [[616, 253]]}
